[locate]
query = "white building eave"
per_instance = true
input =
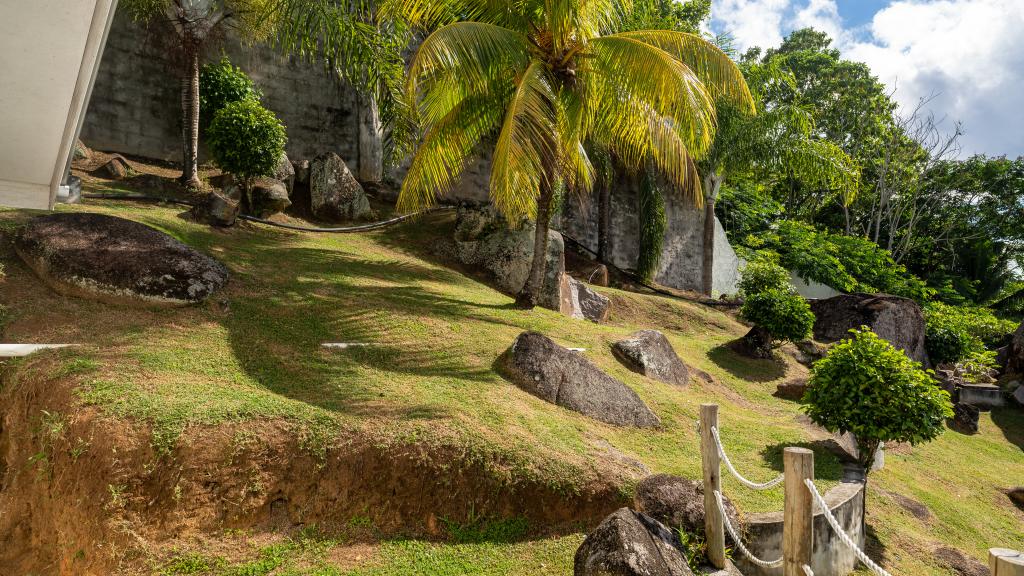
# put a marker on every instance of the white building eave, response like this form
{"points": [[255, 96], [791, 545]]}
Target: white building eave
{"points": [[49, 53]]}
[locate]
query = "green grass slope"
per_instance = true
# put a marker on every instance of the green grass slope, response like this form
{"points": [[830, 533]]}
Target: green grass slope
{"points": [[429, 377]]}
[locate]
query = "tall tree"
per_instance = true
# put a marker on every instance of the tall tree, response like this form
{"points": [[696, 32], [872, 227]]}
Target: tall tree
{"points": [[547, 77], [357, 46], [779, 142]]}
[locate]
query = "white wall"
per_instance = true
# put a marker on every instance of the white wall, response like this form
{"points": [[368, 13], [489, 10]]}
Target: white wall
{"points": [[49, 50]]}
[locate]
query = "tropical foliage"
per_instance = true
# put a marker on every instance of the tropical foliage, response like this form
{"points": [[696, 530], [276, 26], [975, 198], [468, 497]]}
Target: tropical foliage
{"points": [[867, 387], [544, 80], [220, 84], [246, 139], [778, 314]]}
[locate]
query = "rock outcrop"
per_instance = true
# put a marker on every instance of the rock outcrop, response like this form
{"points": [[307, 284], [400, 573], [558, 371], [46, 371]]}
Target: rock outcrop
{"points": [[677, 502], [898, 320], [216, 209], [334, 193], [268, 196], [285, 172], [588, 303], [115, 260], [117, 168], [1015, 353], [563, 377], [649, 352], [629, 543]]}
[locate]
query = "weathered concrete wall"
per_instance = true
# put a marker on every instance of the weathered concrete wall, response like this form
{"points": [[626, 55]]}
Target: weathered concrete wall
{"points": [[811, 289], [136, 103], [831, 557], [681, 259]]}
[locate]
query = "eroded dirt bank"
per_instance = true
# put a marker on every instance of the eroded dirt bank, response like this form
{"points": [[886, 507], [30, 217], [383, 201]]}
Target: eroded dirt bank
{"points": [[83, 493]]}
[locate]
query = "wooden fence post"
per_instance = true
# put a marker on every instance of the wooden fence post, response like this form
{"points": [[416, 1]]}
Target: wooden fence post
{"points": [[1003, 562], [798, 515], [714, 529]]}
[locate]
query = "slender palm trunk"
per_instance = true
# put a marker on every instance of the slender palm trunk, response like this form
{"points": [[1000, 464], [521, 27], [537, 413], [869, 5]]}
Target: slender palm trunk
{"points": [[530, 294], [712, 184], [604, 216], [190, 111]]}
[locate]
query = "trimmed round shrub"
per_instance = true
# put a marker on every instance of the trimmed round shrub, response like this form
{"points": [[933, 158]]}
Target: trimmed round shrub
{"points": [[220, 84], [762, 275], [246, 139], [783, 315], [867, 387]]}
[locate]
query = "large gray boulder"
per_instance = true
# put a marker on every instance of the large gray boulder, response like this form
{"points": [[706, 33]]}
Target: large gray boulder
{"points": [[115, 260], [677, 502], [268, 196], [588, 303], [484, 240], [285, 172], [216, 209], [649, 352], [1014, 363], [334, 193], [566, 378], [629, 543], [898, 320]]}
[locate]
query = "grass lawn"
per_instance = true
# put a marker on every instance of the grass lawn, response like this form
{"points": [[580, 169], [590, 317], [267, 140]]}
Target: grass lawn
{"points": [[429, 377]]}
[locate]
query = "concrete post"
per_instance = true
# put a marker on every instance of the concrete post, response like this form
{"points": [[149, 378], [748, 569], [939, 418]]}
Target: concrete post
{"points": [[1003, 562]]}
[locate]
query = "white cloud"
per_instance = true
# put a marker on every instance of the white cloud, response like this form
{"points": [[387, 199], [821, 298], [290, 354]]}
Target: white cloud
{"points": [[751, 22], [821, 15], [968, 52]]}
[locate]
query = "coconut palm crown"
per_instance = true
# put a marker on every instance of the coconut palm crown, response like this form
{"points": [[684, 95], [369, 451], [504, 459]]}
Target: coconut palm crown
{"points": [[540, 81]]}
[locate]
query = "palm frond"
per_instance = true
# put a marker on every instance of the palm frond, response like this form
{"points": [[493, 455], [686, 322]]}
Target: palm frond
{"points": [[527, 148], [825, 165], [715, 69]]}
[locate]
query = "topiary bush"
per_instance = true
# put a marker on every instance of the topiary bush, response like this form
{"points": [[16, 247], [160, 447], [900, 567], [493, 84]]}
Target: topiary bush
{"points": [[778, 316], [246, 139], [867, 387], [220, 84], [762, 275]]}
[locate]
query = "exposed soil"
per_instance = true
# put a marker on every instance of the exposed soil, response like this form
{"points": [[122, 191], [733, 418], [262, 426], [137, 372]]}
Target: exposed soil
{"points": [[86, 494]]}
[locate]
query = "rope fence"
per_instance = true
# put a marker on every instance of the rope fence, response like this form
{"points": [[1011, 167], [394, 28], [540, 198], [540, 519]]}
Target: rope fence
{"points": [[739, 543], [842, 533], [728, 464]]}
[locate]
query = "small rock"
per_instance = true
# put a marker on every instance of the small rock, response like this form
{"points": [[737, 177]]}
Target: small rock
{"points": [[629, 543], [217, 210], [82, 151], [808, 352], [648, 352], [117, 168], [792, 389], [285, 173], [593, 305], [965, 418], [1016, 496], [961, 564], [560, 376], [677, 502], [335, 195], [269, 197]]}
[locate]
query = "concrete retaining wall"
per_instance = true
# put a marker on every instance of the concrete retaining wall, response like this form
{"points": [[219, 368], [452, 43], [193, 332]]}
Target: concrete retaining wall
{"points": [[763, 535]]}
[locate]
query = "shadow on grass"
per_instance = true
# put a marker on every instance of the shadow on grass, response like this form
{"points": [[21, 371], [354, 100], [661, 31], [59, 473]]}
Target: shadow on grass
{"points": [[1011, 421], [827, 465], [746, 368]]}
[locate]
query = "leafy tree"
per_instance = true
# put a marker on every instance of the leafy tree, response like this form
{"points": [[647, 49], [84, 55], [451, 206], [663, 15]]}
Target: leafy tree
{"points": [[348, 35], [762, 275], [547, 78], [778, 314], [247, 140], [779, 141], [220, 84], [867, 387]]}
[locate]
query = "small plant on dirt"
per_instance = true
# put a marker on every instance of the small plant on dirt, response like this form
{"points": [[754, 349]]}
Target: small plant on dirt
{"points": [[246, 140], [867, 387], [778, 314]]}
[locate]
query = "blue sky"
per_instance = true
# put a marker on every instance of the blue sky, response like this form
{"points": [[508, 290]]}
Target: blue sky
{"points": [[966, 55]]}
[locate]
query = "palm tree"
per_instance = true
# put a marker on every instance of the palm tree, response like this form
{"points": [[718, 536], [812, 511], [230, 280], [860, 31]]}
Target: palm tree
{"points": [[346, 35], [779, 140], [547, 77]]}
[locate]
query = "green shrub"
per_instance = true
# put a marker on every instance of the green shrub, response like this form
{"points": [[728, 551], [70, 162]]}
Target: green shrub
{"points": [[221, 84], [761, 275], [246, 139], [963, 333], [785, 316], [867, 387]]}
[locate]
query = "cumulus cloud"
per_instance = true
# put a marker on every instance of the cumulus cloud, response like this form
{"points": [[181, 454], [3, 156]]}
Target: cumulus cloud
{"points": [[969, 54]]}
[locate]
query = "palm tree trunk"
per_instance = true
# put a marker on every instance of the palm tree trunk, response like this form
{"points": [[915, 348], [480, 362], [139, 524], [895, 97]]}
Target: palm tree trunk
{"points": [[712, 184], [530, 294], [604, 216], [190, 111]]}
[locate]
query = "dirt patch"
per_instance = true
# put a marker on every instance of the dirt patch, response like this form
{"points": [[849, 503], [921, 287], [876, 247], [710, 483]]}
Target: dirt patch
{"points": [[915, 508], [960, 563], [87, 494]]}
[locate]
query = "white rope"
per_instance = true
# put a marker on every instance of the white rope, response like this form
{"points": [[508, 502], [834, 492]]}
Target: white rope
{"points": [[753, 485], [842, 533], [739, 543], [807, 570]]}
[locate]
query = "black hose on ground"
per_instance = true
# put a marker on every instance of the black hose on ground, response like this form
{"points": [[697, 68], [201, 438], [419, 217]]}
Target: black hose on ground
{"points": [[340, 230]]}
